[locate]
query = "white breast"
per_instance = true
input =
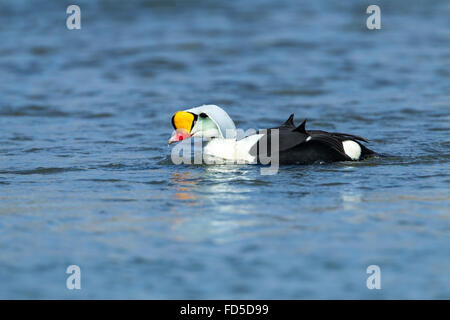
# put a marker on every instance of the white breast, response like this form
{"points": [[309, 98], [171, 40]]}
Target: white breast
{"points": [[232, 150]]}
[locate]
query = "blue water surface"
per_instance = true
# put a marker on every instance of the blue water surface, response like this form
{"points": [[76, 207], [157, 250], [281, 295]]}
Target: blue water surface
{"points": [[85, 171]]}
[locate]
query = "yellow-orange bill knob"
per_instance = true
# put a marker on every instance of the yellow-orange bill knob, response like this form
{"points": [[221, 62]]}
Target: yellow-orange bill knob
{"points": [[183, 120]]}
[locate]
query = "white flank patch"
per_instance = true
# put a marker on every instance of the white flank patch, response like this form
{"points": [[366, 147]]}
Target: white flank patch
{"points": [[352, 149]]}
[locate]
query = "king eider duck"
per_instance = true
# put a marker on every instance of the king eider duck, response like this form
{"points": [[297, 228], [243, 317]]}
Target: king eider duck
{"points": [[296, 144]]}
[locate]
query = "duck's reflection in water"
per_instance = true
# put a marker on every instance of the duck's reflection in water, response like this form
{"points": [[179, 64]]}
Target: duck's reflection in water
{"points": [[216, 182], [183, 186], [211, 204]]}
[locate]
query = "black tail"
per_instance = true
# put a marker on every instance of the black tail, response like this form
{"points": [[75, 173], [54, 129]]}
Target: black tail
{"points": [[366, 152]]}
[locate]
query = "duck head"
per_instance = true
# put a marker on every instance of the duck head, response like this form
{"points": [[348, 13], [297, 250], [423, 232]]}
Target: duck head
{"points": [[207, 121]]}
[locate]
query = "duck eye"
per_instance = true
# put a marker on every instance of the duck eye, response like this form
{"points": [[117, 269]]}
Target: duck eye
{"points": [[203, 115]]}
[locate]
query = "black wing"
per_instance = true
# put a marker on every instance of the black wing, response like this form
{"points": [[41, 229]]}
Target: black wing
{"points": [[300, 146]]}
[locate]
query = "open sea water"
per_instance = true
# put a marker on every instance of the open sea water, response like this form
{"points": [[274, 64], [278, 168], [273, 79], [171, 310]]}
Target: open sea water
{"points": [[85, 171]]}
